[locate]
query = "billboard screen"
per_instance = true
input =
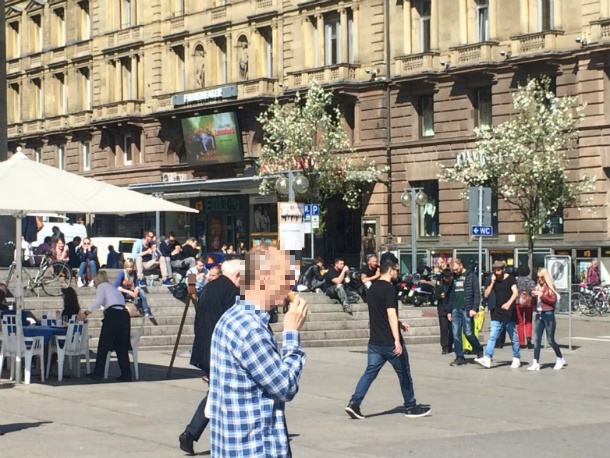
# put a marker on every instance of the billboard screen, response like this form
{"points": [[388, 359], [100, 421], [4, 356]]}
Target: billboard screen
{"points": [[212, 139]]}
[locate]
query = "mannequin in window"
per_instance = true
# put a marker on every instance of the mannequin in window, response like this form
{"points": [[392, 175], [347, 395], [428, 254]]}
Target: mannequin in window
{"points": [[430, 223]]}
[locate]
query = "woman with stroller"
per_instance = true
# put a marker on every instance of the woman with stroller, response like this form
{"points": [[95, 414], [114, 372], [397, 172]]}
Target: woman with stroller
{"points": [[126, 284]]}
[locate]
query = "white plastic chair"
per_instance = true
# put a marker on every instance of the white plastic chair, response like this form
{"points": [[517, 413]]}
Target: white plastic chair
{"points": [[135, 342], [30, 347], [73, 345]]}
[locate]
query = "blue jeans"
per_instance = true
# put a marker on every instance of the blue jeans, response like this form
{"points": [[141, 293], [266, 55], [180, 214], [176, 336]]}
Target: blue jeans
{"points": [[377, 356], [460, 321], [83, 268], [545, 321], [496, 328]]}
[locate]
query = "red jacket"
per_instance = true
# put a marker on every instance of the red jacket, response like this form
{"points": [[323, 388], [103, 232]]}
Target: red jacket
{"points": [[548, 299]]}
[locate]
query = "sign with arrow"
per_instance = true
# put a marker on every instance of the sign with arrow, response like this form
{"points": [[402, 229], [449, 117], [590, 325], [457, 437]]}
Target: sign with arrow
{"points": [[482, 231]]}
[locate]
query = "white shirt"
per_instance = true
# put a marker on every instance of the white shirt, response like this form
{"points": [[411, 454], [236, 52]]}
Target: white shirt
{"points": [[107, 296]]}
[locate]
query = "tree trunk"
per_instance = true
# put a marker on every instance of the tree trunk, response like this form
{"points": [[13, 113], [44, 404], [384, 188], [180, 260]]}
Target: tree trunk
{"points": [[530, 252]]}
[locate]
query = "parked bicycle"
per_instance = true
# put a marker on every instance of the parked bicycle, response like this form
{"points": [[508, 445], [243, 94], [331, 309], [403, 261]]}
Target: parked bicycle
{"points": [[51, 276], [592, 301]]}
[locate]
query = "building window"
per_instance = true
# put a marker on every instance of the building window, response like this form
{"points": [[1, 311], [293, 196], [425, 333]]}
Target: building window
{"points": [[350, 37], [267, 35], [483, 107], [545, 15], [179, 78], [61, 96], [13, 40], [221, 46], [14, 103], [37, 99], [86, 156], [83, 21], [126, 79], [61, 158], [332, 39], [424, 10], [553, 225], [59, 27], [178, 7], [84, 87], [316, 42], [128, 150], [426, 115], [428, 218], [38, 155], [128, 13], [36, 35], [482, 13]]}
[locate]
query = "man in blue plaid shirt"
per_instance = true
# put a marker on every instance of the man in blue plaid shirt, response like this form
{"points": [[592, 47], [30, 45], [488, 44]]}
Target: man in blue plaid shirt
{"points": [[251, 379]]}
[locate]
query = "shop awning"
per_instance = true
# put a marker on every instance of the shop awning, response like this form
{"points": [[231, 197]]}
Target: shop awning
{"points": [[200, 187]]}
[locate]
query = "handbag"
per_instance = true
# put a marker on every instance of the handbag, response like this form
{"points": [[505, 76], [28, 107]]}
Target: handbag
{"points": [[180, 291]]}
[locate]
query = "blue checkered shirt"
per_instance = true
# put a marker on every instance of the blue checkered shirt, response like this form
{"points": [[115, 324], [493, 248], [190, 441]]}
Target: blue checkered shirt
{"points": [[250, 381]]}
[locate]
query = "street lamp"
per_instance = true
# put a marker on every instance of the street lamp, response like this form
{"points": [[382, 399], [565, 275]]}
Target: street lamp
{"points": [[417, 198], [291, 185]]}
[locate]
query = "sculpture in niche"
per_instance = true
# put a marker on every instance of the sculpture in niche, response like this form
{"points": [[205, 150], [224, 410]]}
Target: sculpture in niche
{"points": [[199, 61], [243, 57]]}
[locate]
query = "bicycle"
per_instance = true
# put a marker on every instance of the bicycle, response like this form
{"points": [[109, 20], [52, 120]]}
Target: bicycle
{"points": [[594, 301], [51, 276]]}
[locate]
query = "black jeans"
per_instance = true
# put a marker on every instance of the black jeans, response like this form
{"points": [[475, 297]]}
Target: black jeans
{"points": [[446, 332], [115, 335], [545, 321], [199, 421], [337, 292]]}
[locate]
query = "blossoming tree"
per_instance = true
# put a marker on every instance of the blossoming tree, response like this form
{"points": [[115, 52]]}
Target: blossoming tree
{"points": [[525, 159], [307, 136]]}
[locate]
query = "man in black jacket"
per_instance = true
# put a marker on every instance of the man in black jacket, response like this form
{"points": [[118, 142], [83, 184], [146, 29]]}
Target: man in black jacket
{"points": [[176, 256], [216, 298], [465, 300]]}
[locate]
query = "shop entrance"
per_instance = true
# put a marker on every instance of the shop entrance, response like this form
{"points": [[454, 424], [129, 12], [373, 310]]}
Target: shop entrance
{"points": [[222, 220]]}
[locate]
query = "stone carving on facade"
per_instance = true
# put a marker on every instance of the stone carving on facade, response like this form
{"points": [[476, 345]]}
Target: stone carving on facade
{"points": [[199, 66], [242, 46]]}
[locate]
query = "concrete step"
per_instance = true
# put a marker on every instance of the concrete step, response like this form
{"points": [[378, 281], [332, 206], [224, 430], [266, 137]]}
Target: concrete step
{"points": [[363, 342]]}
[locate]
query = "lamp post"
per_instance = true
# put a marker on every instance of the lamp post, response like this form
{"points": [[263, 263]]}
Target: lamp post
{"points": [[416, 197]]}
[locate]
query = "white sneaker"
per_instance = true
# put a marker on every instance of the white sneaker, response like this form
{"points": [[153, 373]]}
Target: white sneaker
{"points": [[79, 283], [534, 366], [485, 361], [516, 363], [91, 284], [559, 364]]}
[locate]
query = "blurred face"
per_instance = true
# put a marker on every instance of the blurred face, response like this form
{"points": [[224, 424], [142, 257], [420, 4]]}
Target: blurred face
{"points": [[87, 243], [199, 266], [149, 236], [541, 280], [456, 268], [339, 265], [447, 278], [393, 273], [372, 262], [499, 272], [171, 238], [129, 269], [278, 284], [213, 274]]}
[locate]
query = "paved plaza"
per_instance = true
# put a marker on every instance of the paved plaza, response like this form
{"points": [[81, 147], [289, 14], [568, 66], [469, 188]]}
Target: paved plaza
{"points": [[476, 412]]}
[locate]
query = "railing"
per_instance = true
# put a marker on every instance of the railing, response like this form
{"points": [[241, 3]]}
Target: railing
{"points": [[176, 23], [36, 60], [115, 109], [220, 12], [13, 66], [264, 4], [341, 72], [414, 63], [83, 48], [257, 87], [124, 36], [536, 42]]}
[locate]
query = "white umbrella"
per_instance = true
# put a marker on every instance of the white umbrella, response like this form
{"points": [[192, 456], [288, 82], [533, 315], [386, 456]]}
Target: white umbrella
{"points": [[31, 187]]}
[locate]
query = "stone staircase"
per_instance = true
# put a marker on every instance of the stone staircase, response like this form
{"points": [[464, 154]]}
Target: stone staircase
{"points": [[327, 325]]}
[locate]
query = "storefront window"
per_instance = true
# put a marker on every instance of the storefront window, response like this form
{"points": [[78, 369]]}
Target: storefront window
{"points": [[428, 224], [405, 261], [539, 256], [470, 259]]}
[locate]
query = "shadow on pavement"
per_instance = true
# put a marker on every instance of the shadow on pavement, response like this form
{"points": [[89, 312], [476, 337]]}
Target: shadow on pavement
{"points": [[14, 427], [398, 409]]}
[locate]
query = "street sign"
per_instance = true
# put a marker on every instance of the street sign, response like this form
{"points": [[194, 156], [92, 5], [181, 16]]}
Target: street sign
{"points": [[315, 209], [473, 207], [307, 214], [484, 231], [315, 221]]}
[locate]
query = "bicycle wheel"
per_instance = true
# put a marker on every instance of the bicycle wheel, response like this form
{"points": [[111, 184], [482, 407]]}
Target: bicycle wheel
{"points": [[54, 277], [575, 302], [588, 305]]}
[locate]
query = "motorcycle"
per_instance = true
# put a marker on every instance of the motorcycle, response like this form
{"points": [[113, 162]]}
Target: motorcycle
{"points": [[417, 290]]}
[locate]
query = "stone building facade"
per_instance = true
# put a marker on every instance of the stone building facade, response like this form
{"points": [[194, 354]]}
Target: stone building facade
{"points": [[101, 88]]}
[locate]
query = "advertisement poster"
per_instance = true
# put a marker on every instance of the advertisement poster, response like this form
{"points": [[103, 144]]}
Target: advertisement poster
{"points": [[212, 139], [291, 225]]}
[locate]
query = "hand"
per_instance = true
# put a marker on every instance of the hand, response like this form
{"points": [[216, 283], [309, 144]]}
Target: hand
{"points": [[536, 293], [296, 315], [506, 306], [200, 276], [133, 294], [449, 316], [472, 313], [493, 278], [81, 316], [345, 269], [397, 348], [405, 326], [442, 295]]}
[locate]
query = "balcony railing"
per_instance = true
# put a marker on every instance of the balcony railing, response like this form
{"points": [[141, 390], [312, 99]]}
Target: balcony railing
{"points": [[264, 4], [118, 109], [258, 87], [415, 63], [324, 75], [219, 13], [57, 122], [124, 36], [476, 52], [535, 42], [13, 66]]}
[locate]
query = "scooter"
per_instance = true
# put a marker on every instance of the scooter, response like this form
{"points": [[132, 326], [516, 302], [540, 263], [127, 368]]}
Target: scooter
{"points": [[417, 290]]}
